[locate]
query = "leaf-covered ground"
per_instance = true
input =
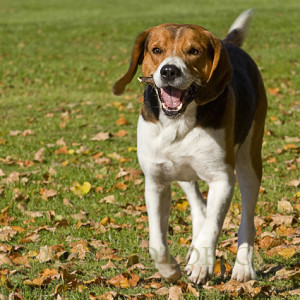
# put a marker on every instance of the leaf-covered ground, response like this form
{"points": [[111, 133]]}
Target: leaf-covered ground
{"points": [[73, 223]]}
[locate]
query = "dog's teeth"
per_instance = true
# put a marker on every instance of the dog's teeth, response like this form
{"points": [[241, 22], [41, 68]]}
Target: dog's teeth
{"points": [[172, 109]]}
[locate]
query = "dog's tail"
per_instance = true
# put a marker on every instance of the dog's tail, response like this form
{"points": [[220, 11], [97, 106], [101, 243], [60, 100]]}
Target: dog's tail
{"points": [[238, 29]]}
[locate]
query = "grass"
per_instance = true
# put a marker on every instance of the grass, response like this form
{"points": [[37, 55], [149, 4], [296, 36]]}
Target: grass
{"points": [[58, 63]]}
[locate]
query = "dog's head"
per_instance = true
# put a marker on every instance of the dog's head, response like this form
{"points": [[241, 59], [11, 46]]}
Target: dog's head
{"points": [[186, 63]]}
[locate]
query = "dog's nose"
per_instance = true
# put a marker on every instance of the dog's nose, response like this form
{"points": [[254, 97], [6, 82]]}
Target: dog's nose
{"points": [[169, 72]]}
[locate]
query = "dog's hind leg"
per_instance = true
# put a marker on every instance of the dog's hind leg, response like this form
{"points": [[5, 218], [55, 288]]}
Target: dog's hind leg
{"points": [[198, 209], [158, 201], [249, 172]]}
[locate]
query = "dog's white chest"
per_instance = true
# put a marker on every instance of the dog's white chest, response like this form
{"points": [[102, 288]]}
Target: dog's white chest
{"points": [[176, 150]]}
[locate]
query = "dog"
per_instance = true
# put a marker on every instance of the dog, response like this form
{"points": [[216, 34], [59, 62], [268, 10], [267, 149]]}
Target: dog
{"points": [[202, 118]]}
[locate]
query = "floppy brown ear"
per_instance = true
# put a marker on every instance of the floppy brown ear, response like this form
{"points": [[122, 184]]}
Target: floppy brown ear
{"points": [[137, 56], [220, 74]]}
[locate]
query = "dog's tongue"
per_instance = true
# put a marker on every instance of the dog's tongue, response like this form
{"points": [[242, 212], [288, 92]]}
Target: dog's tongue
{"points": [[171, 96]]}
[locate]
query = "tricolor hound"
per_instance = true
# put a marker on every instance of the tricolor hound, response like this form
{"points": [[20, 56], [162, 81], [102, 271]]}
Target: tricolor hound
{"points": [[202, 118]]}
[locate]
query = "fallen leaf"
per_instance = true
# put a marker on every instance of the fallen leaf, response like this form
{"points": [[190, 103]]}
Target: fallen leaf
{"points": [[279, 219], [61, 142], [121, 186], [62, 150], [163, 291], [5, 260], [287, 252], [101, 136], [175, 293], [7, 233], [108, 199], [47, 193], [274, 91], [121, 133], [81, 189], [287, 147], [38, 156], [285, 231], [122, 121], [182, 205], [27, 132], [294, 182], [46, 253], [285, 206], [109, 265], [119, 281], [269, 241], [12, 177]]}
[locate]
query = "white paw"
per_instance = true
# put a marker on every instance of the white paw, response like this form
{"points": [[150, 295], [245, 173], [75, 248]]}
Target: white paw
{"points": [[188, 255], [170, 271], [201, 265], [243, 272]]}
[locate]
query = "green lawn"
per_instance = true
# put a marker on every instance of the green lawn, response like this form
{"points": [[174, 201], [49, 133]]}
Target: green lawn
{"points": [[58, 62]]}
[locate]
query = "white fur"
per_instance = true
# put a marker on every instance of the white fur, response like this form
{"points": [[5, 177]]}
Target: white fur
{"points": [[249, 186], [174, 149], [242, 21], [182, 82]]}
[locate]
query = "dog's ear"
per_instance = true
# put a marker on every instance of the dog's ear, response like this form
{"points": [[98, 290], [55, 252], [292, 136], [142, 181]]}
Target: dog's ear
{"points": [[137, 57], [220, 73]]}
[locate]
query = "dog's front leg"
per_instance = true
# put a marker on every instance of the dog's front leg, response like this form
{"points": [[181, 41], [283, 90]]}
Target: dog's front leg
{"points": [[198, 209], [158, 201], [201, 263]]}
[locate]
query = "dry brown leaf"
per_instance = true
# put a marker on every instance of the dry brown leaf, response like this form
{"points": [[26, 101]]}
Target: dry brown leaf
{"points": [[46, 253], [279, 219], [108, 199], [38, 156], [182, 241], [284, 231], [61, 142], [274, 91], [294, 182], [109, 265], [121, 133], [20, 260], [62, 150], [101, 136], [287, 252], [133, 281], [30, 238], [47, 193], [7, 233], [175, 293], [119, 281], [121, 186], [269, 241], [67, 202], [5, 260], [12, 177], [163, 291], [286, 274], [122, 121], [27, 132], [34, 214], [285, 206], [192, 290]]}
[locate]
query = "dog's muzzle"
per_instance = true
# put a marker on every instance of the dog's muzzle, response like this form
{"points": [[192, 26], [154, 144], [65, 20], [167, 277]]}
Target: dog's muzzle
{"points": [[173, 99]]}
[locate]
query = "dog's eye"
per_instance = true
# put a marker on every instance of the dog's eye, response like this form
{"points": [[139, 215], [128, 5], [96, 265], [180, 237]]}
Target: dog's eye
{"points": [[156, 50], [194, 51]]}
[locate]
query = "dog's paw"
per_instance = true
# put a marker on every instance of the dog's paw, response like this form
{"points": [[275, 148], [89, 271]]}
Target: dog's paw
{"points": [[201, 265], [188, 255], [170, 272], [243, 273]]}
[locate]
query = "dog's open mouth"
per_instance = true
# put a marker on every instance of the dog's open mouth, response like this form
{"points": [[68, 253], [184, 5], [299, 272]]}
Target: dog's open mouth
{"points": [[173, 100]]}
